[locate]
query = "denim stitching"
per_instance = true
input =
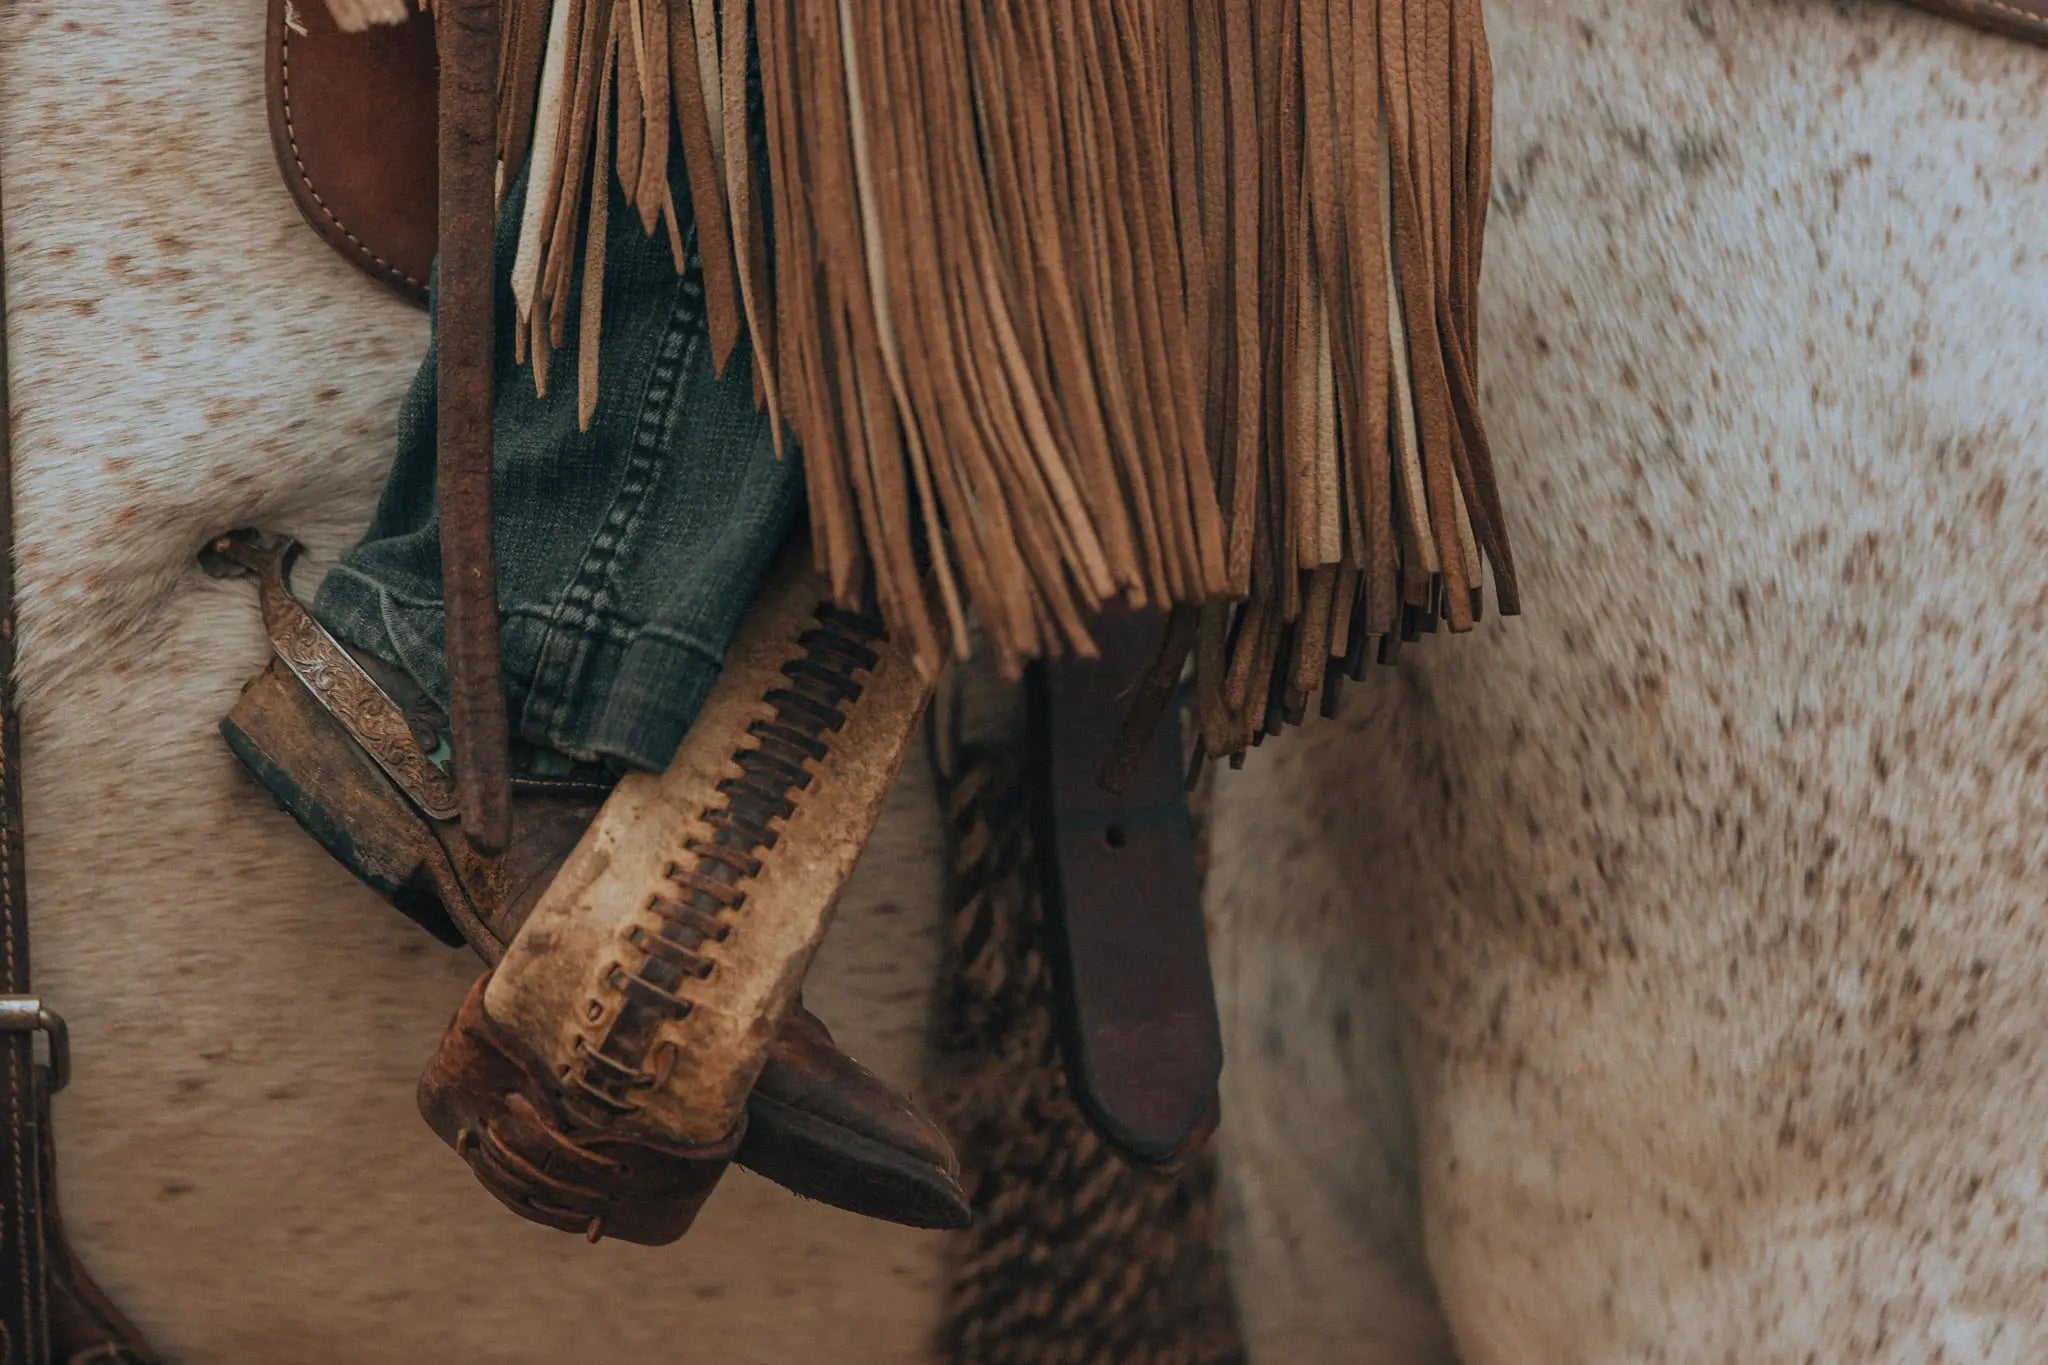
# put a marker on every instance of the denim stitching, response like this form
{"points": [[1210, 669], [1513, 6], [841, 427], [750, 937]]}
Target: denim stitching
{"points": [[565, 656], [393, 609]]}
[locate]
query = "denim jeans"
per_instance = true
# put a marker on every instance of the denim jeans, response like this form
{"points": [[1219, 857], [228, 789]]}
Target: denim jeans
{"points": [[626, 553]]}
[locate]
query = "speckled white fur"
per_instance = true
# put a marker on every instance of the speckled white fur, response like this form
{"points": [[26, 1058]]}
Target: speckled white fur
{"points": [[1707, 904], [1703, 906]]}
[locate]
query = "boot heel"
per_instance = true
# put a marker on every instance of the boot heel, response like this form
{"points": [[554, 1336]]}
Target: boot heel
{"points": [[304, 758]]}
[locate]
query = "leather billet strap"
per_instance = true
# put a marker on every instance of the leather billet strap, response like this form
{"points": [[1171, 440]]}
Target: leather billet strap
{"points": [[1135, 1004], [2024, 19], [467, 34]]}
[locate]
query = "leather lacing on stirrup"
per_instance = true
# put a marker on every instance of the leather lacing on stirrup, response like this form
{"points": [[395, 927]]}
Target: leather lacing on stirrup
{"points": [[511, 1123], [774, 769], [631, 1016]]}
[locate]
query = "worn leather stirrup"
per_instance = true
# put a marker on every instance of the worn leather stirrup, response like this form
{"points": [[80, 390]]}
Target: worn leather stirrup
{"points": [[350, 757], [505, 1116], [651, 976]]}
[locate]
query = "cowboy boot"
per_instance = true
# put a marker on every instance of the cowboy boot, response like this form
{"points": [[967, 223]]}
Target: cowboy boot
{"points": [[347, 745]]}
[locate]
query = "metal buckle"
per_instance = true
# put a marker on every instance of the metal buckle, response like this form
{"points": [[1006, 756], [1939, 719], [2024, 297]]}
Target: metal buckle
{"points": [[28, 1014]]}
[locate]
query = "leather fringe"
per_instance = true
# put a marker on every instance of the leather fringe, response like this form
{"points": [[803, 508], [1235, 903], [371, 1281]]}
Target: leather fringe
{"points": [[1166, 303]]}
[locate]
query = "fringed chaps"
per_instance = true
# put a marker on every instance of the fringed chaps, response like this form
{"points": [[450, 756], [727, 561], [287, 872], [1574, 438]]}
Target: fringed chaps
{"points": [[1172, 303]]}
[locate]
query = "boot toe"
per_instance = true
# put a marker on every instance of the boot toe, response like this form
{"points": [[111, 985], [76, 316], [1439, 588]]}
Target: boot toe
{"points": [[825, 1127]]}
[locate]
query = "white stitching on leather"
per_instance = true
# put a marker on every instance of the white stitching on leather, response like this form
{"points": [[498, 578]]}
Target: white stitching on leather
{"points": [[2031, 16], [284, 50]]}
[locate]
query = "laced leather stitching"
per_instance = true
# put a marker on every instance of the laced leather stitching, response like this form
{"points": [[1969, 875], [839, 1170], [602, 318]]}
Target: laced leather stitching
{"points": [[776, 764]]}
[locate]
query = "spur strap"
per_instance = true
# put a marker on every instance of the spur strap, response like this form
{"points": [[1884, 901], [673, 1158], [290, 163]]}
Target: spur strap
{"points": [[50, 1311]]}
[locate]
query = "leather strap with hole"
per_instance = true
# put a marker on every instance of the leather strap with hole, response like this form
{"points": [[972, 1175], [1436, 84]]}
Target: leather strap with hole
{"points": [[1136, 1005], [465, 371]]}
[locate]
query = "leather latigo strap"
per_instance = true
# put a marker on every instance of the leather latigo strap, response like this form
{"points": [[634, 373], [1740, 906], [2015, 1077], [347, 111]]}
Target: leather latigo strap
{"points": [[50, 1310], [1136, 1006], [651, 977], [467, 33], [23, 1291], [2026, 19]]}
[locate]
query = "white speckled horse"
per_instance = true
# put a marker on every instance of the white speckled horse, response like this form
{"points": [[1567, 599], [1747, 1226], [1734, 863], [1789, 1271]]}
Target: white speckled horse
{"points": [[1653, 978]]}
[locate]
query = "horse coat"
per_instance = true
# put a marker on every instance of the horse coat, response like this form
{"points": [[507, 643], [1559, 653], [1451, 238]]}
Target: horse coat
{"points": [[1649, 978]]}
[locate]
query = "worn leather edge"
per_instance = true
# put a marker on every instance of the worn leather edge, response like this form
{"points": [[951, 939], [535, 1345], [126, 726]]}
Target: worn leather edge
{"points": [[465, 374], [24, 1320], [300, 179], [486, 1096], [1135, 1003], [2026, 20]]}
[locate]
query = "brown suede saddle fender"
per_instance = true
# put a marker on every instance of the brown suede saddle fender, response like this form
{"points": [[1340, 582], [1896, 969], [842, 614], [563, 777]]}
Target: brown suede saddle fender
{"points": [[352, 122]]}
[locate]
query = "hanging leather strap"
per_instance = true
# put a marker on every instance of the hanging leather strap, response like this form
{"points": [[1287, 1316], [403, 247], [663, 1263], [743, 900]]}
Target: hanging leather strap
{"points": [[1135, 1003], [50, 1311], [467, 33], [22, 1274]]}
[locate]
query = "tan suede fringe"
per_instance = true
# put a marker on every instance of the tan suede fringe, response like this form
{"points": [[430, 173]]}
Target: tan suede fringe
{"points": [[1168, 303]]}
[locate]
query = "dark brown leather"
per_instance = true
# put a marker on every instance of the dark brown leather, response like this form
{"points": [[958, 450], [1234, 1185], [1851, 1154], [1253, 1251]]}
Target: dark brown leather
{"points": [[50, 1310], [352, 123], [499, 1111], [1136, 1006], [465, 370], [2026, 19], [823, 1125], [24, 1305], [1077, 1254], [85, 1326]]}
